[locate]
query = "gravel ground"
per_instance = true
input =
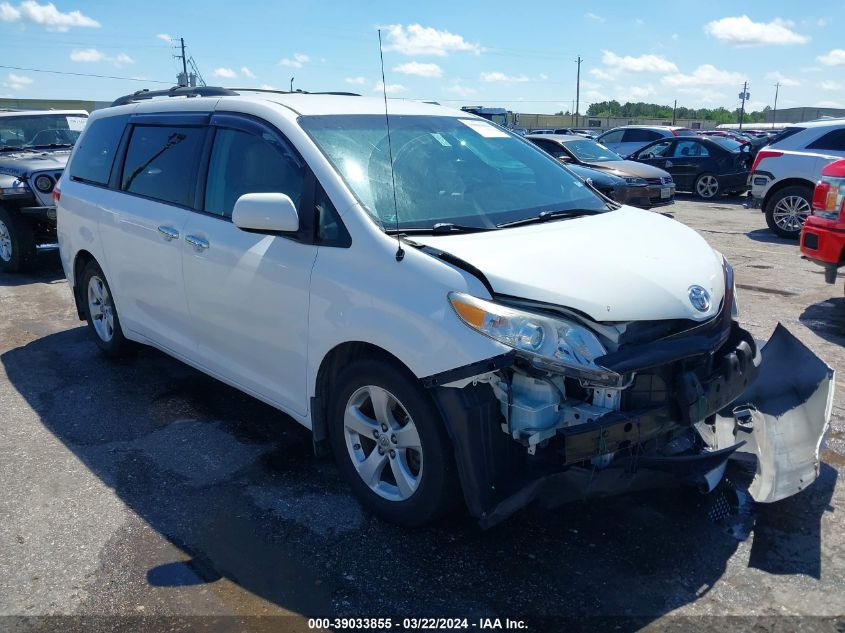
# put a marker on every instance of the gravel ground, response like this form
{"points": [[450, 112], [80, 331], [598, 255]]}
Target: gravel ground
{"points": [[146, 490]]}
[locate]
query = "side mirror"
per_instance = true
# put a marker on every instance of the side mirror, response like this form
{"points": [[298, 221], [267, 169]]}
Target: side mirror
{"points": [[564, 158], [265, 212]]}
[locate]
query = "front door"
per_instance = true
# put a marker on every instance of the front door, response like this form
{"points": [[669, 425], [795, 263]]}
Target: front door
{"points": [[248, 293]]}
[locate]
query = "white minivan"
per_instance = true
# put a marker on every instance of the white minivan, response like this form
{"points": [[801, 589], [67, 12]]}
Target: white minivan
{"points": [[449, 308]]}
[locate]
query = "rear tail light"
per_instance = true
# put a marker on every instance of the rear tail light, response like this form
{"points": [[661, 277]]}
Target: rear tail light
{"points": [[820, 194], [57, 195], [765, 153]]}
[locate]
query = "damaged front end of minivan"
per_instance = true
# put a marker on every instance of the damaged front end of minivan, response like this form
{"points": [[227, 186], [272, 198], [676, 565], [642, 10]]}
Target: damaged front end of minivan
{"points": [[584, 409]]}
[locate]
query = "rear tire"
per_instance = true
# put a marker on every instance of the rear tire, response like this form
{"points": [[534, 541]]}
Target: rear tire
{"points": [[101, 313], [412, 481], [787, 209], [706, 186], [17, 243]]}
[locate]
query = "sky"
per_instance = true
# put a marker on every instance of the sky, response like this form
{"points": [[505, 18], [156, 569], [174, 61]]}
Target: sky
{"points": [[520, 56]]}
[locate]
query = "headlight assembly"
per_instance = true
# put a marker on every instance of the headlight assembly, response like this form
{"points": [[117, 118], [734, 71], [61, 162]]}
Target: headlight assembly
{"points": [[636, 181], [548, 343]]}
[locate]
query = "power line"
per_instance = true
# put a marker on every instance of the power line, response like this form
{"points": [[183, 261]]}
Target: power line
{"points": [[60, 72]]}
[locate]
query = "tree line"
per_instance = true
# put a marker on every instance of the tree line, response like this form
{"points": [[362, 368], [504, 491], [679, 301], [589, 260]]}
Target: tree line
{"points": [[641, 110]]}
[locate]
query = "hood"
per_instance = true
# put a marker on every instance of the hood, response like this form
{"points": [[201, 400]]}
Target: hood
{"points": [[623, 168], [600, 177], [22, 164], [623, 265]]}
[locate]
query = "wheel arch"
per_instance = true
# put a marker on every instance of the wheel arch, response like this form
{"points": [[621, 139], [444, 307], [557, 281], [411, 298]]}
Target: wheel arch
{"points": [[786, 182], [340, 355], [80, 261]]}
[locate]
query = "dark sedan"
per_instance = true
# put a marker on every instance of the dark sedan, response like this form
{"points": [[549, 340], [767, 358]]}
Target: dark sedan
{"points": [[704, 166], [621, 180]]}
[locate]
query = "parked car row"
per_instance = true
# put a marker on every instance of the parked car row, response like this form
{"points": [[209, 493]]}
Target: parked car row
{"points": [[456, 314]]}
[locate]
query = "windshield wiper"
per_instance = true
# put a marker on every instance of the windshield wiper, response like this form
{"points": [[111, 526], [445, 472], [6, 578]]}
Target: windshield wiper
{"points": [[545, 216], [49, 145], [441, 228], [18, 148]]}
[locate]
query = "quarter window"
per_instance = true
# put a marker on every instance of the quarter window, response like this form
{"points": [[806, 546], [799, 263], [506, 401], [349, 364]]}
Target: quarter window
{"points": [[834, 140], [161, 163], [246, 163], [614, 136], [92, 161]]}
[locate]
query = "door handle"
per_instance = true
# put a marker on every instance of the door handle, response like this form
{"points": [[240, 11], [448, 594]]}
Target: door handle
{"points": [[169, 232], [197, 242]]}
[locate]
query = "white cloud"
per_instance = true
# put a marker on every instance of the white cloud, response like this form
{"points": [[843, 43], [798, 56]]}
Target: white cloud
{"points": [[246, 72], [639, 21], [542, 76], [164, 37], [705, 96], [416, 39], [298, 61], [390, 88], [636, 92], [830, 104], [782, 79], [674, 36], [16, 82], [594, 17], [356, 81], [46, 15], [836, 57], [92, 55], [496, 76], [461, 90], [743, 31], [419, 69], [643, 64], [602, 75], [831, 86], [704, 75], [267, 87], [225, 73]]}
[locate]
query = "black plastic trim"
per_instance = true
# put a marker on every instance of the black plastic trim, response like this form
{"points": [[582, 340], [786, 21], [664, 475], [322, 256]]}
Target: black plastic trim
{"points": [[502, 361]]}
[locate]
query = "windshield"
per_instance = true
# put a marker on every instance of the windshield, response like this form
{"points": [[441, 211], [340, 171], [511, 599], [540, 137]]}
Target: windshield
{"points": [[727, 143], [31, 130], [591, 152], [463, 171]]}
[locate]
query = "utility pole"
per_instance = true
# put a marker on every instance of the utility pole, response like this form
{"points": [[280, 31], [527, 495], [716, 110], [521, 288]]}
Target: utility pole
{"points": [[291, 84], [578, 87], [743, 95], [775, 111], [674, 110], [184, 61]]}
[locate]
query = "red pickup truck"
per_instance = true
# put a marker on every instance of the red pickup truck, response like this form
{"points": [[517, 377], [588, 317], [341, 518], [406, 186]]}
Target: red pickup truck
{"points": [[823, 234]]}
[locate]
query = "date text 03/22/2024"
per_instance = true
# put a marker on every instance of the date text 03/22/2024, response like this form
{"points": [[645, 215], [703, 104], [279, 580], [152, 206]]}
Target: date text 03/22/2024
{"points": [[422, 624]]}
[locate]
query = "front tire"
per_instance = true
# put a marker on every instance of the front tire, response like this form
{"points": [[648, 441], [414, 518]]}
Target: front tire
{"points": [[707, 186], [787, 210], [17, 243], [390, 443], [101, 313]]}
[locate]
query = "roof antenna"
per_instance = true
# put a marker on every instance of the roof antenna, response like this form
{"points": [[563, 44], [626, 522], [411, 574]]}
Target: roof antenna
{"points": [[400, 253]]}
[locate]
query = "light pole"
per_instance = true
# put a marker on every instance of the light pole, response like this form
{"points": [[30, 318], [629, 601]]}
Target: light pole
{"points": [[578, 88], [744, 95], [775, 111]]}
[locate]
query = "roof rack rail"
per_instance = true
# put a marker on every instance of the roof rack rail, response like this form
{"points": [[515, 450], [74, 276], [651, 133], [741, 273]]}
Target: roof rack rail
{"points": [[175, 91], [297, 92]]}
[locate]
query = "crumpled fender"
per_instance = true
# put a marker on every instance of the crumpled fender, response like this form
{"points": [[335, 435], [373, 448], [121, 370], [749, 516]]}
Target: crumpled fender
{"points": [[783, 417]]}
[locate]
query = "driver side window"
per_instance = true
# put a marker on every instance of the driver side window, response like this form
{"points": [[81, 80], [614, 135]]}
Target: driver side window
{"points": [[658, 150]]}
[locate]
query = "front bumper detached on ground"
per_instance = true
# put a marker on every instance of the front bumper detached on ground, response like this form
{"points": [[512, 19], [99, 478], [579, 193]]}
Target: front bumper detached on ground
{"points": [[774, 428]]}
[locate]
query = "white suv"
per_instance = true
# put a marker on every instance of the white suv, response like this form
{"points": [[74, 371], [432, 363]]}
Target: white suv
{"points": [[784, 173], [443, 304]]}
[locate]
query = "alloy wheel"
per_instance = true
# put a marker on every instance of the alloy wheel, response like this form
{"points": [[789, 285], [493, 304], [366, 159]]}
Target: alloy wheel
{"points": [[101, 308], [383, 443], [707, 186], [5, 243], [790, 212]]}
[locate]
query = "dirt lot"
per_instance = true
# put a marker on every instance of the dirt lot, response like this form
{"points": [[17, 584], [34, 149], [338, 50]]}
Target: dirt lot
{"points": [[143, 488]]}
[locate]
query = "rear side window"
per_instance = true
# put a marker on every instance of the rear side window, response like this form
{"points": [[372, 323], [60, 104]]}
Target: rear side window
{"points": [[684, 132], [94, 155], [636, 135], [690, 148], [161, 163], [835, 140], [786, 133], [612, 137], [245, 163]]}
